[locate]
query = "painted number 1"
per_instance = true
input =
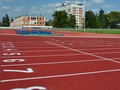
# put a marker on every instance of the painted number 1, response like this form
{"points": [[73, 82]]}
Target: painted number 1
{"points": [[29, 70]]}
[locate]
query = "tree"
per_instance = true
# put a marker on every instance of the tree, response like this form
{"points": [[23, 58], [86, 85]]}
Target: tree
{"points": [[97, 24], [49, 23], [60, 19], [3, 21], [12, 19], [72, 21], [112, 19], [101, 19], [6, 21], [90, 19], [0, 23]]}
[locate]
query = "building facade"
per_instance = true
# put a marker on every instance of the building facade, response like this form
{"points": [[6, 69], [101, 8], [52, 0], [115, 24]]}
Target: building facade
{"points": [[28, 21], [75, 9]]}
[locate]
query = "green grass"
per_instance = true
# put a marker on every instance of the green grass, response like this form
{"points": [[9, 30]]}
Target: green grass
{"points": [[99, 31]]}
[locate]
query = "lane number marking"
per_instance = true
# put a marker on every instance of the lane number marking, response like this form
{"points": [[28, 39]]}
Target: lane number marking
{"points": [[14, 60], [31, 88], [29, 70]]}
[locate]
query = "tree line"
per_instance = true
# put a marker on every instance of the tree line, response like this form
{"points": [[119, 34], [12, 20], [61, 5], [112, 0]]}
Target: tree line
{"points": [[102, 20], [5, 22], [63, 20], [92, 20]]}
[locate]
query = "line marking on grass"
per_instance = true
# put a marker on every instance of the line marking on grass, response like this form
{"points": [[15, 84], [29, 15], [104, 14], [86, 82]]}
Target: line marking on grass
{"points": [[84, 52], [62, 75]]}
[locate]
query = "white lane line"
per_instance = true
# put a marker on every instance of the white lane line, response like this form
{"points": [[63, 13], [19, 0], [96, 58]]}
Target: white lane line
{"points": [[4, 50], [49, 47], [36, 50], [41, 55], [49, 63], [95, 46], [63, 75], [84, 52], [105, 53], [81, 54], [100, 49]]}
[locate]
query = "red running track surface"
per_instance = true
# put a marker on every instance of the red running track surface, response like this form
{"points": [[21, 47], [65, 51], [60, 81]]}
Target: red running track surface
{"points": [[59, 63]]}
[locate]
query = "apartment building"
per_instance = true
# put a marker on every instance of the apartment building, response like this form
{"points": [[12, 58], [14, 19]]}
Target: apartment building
{"points": [[28, 21], [73, 8]]}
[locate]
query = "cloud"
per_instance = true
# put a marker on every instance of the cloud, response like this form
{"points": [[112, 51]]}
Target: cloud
{"points": [[95, 10], [45, 10], [7, 0], [19, 9], [108, 6], [99, 1], [4, 7]]}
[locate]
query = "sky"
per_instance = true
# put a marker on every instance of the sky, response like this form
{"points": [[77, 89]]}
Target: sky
{"points": [[46, 8]]}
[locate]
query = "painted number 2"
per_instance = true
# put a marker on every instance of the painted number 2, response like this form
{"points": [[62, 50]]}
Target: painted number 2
{"points": [[31, 88]]}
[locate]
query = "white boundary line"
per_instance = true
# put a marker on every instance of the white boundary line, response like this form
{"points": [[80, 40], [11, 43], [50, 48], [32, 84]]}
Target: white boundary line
{"points": [[83, 52], [62, 75], [48, 63]]}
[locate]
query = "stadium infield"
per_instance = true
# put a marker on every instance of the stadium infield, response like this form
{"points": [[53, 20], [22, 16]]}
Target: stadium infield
{"points": [[60, 63]]}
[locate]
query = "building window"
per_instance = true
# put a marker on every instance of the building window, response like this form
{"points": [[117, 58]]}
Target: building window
{"points": [[33, 17]]}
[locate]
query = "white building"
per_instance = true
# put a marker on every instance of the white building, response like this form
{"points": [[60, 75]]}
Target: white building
{"points": [[73, 8]]}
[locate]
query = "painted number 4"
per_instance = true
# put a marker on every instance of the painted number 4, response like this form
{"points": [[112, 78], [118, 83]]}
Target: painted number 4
{"points": [[31, 88]]}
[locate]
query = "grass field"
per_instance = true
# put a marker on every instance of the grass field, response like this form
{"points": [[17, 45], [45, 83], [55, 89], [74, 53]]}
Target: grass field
{"points": [[104, 31]]}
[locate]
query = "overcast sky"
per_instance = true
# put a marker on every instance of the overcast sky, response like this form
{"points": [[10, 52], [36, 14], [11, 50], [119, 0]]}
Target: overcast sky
{"points": [[46, 8]]}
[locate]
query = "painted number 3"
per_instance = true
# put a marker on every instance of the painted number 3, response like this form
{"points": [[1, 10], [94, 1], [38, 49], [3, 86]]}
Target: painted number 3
{"points": [[31, 88]]}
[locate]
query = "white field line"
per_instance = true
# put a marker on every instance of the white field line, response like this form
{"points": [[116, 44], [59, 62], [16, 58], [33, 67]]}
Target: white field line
{"points": [[51, 63], [63, 75], [84, 52]]}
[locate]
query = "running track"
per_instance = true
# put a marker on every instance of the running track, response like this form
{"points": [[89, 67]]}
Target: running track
{"points": [[59, 63]]}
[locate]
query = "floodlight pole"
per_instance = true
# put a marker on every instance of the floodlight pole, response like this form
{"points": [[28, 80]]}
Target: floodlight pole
{"points": [[76, 15], [84, 14]]}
